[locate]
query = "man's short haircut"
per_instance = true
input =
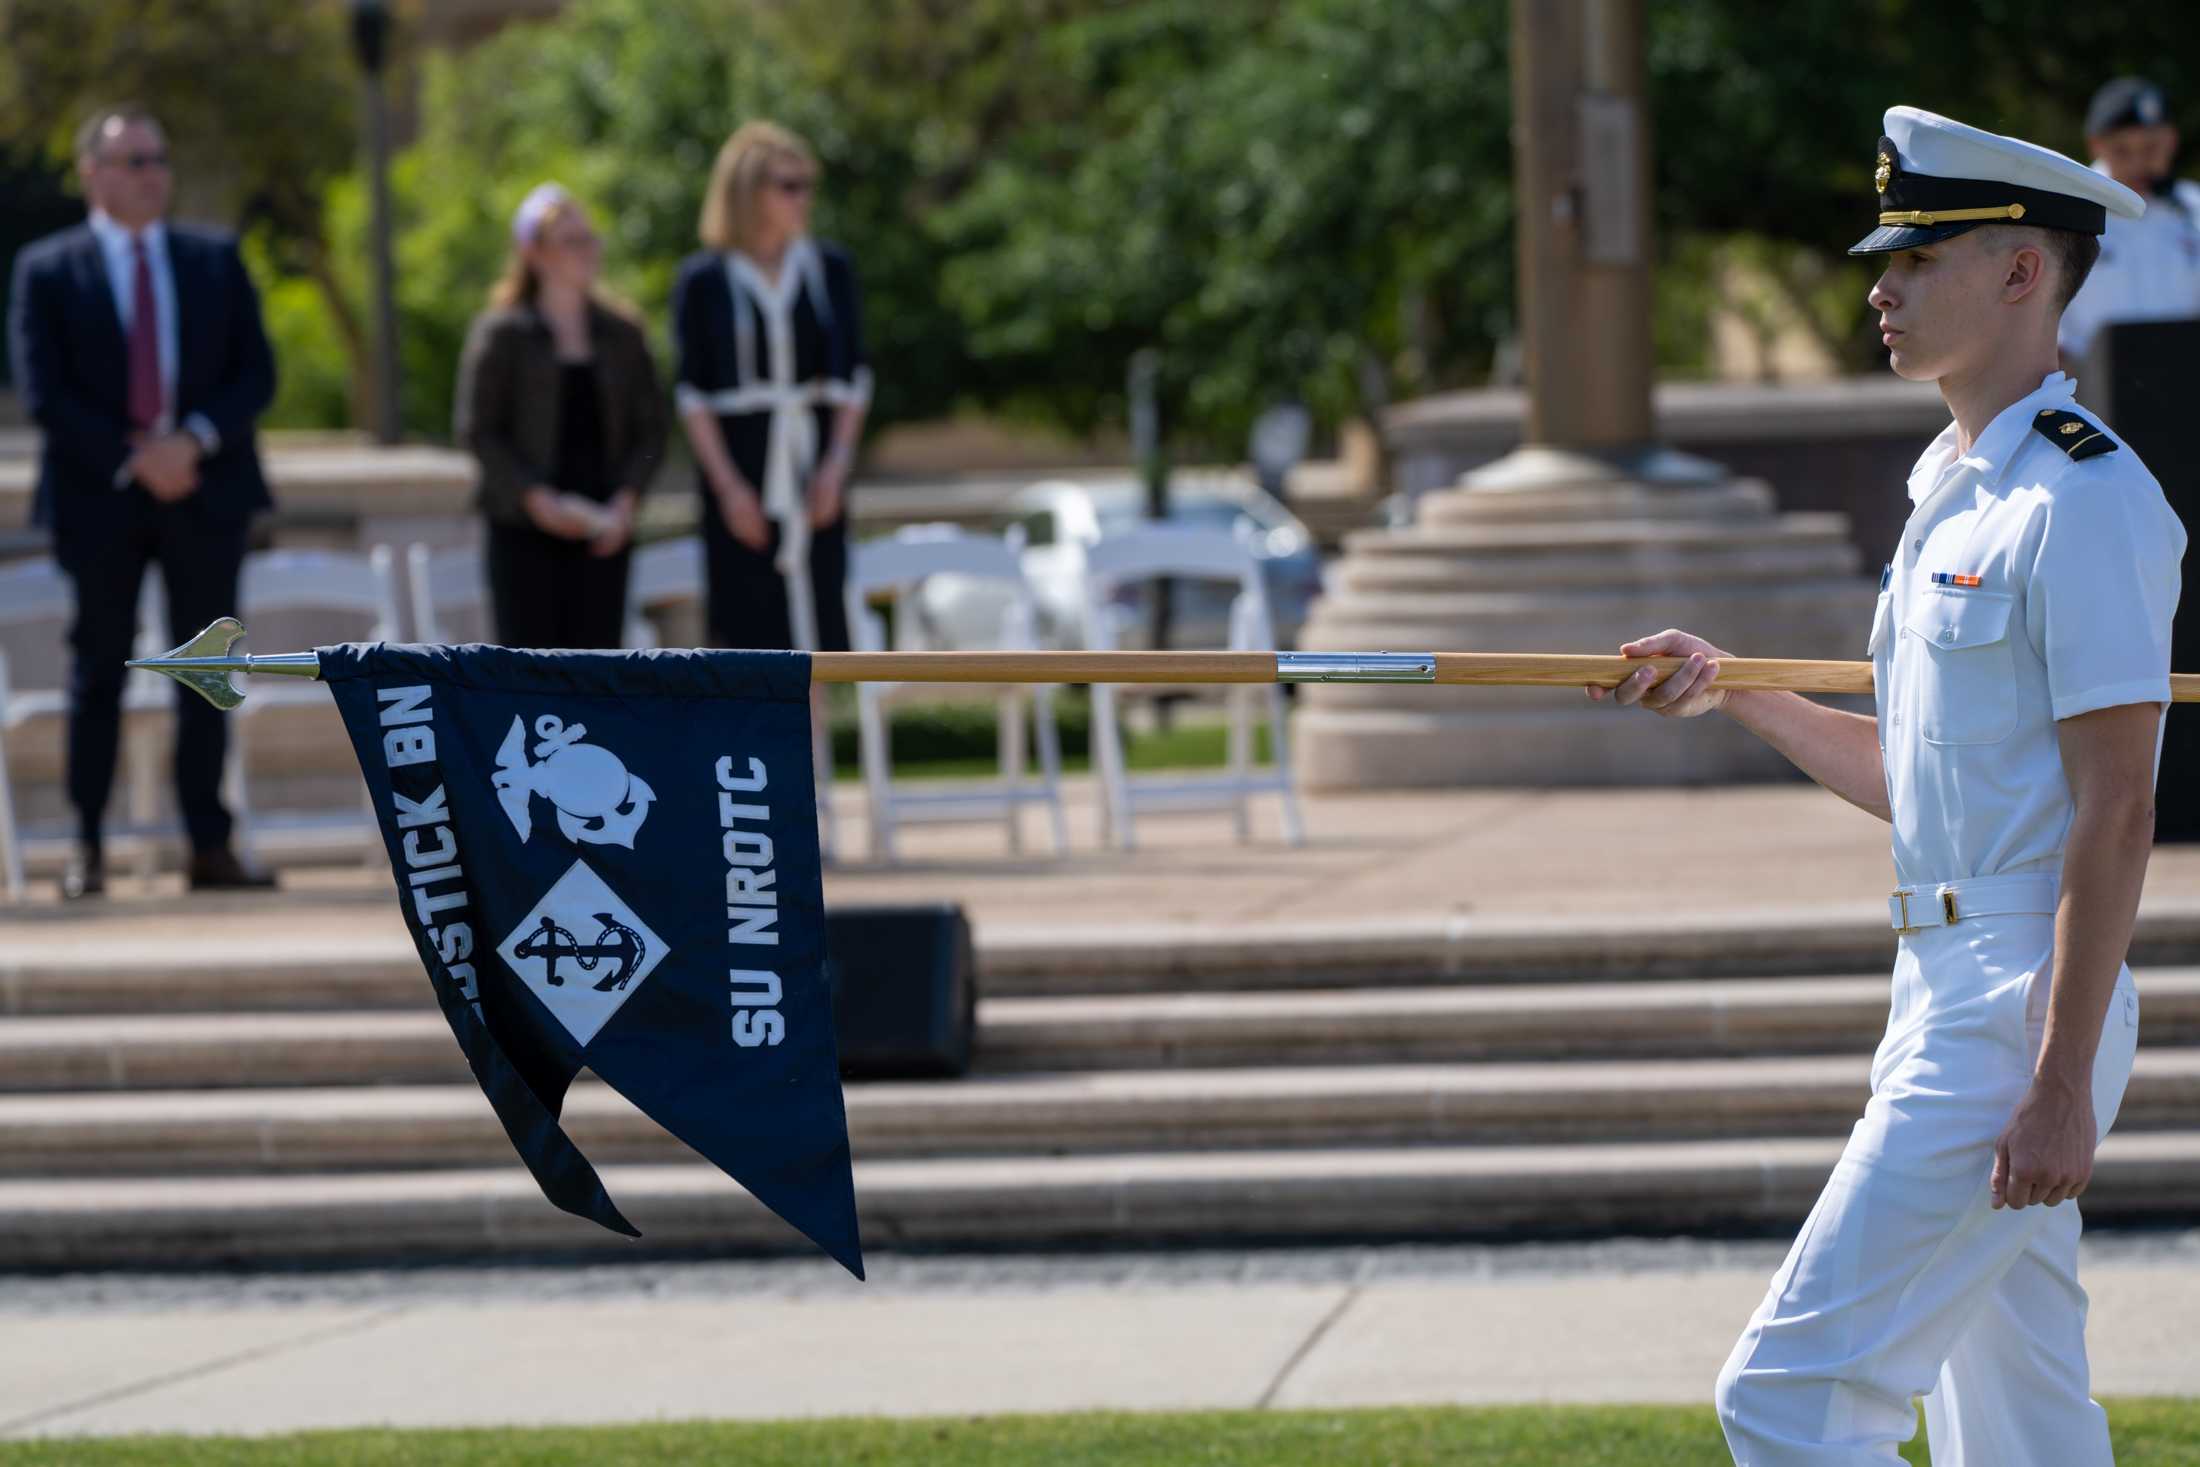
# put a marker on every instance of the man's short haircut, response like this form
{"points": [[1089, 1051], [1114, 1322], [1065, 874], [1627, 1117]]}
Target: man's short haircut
{"points": [[89, 136], [2072, 251], [2075, 252]]}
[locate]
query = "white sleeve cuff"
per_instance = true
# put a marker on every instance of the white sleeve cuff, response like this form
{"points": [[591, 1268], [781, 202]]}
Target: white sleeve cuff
{"points": [[687, 397], [201, 427], [2111, 695]]}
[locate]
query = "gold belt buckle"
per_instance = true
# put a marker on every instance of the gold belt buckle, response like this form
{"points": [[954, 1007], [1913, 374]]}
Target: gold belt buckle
{"points": [[1948, 914]]}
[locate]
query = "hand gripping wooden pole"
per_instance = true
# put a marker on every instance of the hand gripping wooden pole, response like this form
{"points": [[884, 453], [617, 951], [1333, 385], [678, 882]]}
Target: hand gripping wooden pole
{"points": [[205, 664]]}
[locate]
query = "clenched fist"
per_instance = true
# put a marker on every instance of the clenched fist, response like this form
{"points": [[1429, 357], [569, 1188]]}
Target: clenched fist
{"points": [[1687, 691]]}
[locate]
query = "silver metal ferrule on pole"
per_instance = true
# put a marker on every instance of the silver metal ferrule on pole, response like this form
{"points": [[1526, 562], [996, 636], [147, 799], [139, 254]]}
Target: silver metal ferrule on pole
{"points": [[1355, 667]]}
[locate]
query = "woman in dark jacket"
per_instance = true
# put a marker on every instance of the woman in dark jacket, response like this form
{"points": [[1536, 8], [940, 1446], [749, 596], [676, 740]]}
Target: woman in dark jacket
{"points": [[559, 400], [773, 383]]}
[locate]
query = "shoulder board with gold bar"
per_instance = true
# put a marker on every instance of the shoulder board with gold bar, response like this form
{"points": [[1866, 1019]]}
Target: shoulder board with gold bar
{"points": [[2072, 434]]}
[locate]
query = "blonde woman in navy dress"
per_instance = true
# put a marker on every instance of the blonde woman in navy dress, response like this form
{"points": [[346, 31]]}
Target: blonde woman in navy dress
{"points": [[773, 383]]}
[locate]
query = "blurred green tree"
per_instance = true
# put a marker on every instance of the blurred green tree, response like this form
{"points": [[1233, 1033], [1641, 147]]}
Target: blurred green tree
{"points": [[1302, 198], [1307, 199], [622, 101], [1765, 115], [626, 103], [257, 151]]}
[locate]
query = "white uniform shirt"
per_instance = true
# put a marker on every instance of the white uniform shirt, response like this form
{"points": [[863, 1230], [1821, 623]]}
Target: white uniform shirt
{"points": [[2076, 563], [2149, 270], [116, 248]]}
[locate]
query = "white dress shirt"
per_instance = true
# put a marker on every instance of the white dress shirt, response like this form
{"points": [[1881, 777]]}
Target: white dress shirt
{"points": [[2076, 569], [115, 248], [2149, 270]]}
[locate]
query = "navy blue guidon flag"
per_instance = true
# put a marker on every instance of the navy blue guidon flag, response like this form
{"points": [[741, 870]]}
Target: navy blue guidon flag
{"points": [[609, 862]]}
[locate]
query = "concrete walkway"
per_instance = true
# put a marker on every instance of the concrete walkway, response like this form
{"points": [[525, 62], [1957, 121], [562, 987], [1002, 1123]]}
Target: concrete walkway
{"points": [[1624, 1322], [1502, 857]]}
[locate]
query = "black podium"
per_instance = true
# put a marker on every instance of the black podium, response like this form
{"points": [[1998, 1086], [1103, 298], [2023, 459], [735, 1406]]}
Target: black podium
{"points": [[905, 990], [2141, 379]]}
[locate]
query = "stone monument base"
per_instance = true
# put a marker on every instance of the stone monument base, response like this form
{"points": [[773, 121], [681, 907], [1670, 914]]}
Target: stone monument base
{"points": [[1548, 552]]}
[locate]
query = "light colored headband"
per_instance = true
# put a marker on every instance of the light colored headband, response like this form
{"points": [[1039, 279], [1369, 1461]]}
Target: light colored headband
{"points": [[536, 207]]}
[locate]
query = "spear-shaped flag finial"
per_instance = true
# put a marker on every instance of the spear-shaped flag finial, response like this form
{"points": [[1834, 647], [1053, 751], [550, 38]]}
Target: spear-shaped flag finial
{"points": [[204, 663]]}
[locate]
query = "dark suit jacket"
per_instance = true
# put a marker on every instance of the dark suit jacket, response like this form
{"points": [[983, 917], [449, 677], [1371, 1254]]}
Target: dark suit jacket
{"points": [[72, 366], [507, 404]]}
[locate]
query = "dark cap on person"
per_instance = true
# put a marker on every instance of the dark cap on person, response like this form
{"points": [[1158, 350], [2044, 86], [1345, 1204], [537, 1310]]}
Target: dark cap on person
{"points": [[2128, 101], [1937, 178]]}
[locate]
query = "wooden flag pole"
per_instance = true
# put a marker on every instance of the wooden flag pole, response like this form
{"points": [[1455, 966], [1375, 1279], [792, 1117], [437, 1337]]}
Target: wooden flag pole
{"points": [[205, 664], [1459, 669]]}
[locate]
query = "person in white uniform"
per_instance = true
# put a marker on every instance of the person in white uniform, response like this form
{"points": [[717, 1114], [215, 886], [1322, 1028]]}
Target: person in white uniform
{"points": [[2021, 652], [2149, 268]]}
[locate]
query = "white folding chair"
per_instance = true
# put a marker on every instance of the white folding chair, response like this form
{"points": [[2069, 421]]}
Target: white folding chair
{"points": [[1148, 553], [37, 604], [662, 576], [891, 571], [36, 600], [449, 594], [301, 598]]}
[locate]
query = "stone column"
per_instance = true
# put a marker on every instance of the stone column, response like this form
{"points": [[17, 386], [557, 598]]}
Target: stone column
{"points": [[1591, 534], [1581, 171]]}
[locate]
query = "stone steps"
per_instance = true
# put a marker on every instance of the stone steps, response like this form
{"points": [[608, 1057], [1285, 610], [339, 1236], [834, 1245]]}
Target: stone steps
{"points": [[1124, 1032], [1442, 1191], [1726, 1016], [354, 1128], [1441, 536], [1445, 571], [357, 961], [294, 1096]]}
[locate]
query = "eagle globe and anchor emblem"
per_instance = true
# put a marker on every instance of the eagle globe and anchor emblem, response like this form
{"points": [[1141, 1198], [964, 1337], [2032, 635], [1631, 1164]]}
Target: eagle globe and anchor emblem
{"points": [[597, 800], [582, 950]]}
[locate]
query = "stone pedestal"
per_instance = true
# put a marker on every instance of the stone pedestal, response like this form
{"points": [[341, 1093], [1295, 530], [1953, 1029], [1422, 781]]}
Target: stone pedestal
{"points": [[1548, 552]]}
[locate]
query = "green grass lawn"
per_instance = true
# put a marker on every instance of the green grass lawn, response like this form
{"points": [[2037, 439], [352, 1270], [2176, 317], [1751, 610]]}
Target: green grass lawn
{"points": [[2149, 1433]]}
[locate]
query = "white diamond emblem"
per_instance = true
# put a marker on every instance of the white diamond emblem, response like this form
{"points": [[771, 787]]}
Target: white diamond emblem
{"points": [[582, 951]]}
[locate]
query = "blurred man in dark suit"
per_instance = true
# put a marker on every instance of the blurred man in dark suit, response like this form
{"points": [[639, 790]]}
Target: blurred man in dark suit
{"points": [[138, 349]]}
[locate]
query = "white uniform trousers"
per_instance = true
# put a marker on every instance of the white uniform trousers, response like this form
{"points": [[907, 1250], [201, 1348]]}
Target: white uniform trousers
{"points": [[1904, 1282]]}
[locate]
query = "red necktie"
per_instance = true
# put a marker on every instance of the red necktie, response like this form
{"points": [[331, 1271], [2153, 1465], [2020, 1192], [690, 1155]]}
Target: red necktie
{"points": [[146, 397]]}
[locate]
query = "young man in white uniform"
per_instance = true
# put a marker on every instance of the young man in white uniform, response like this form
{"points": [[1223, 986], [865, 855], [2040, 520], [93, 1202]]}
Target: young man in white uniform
{"points": [[2149, 268], [2021, 651]]}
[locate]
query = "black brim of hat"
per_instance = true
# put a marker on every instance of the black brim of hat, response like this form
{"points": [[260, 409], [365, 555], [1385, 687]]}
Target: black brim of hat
{"points": [[1888, 238]]}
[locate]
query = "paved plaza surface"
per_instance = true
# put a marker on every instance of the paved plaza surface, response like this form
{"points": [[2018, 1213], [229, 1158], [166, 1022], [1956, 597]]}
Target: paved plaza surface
{"points": [[1622, 1320], [1504, 857]]}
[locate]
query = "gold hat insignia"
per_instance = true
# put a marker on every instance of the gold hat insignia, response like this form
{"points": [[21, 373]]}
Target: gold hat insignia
{"points": [[1884, 174]]}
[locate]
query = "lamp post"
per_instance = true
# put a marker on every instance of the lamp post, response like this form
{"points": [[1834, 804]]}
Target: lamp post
{"points": [[370, 30]]}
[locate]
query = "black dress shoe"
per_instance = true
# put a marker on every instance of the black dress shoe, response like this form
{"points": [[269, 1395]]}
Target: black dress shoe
{"points": [[86, 875], [220, 870]]}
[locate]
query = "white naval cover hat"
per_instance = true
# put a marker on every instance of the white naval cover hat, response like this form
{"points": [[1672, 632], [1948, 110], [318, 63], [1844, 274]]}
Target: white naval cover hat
{"points": [[1937, 177]]}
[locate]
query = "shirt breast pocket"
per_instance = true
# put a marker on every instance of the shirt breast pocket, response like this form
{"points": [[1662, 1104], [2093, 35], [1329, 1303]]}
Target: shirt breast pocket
{"points": [[1968, 667]]}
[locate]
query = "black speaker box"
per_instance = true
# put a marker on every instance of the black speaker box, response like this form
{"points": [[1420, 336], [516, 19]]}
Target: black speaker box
{"points": [[904, 982], [2139, 378]]}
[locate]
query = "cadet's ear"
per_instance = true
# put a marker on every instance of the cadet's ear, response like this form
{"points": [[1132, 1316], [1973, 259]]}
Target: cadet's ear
{"points": [[2025, 270]]}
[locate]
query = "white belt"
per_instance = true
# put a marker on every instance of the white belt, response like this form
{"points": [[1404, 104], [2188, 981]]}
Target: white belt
{"points": [[789, 457], [1922, 908]]}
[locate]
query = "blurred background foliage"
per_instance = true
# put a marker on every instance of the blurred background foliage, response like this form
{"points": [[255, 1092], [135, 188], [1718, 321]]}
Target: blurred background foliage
{"points": [[1290, 198]]}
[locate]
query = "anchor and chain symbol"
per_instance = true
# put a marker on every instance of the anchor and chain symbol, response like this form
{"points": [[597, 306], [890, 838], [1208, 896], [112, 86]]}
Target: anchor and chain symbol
{"points": [[617, 943]]}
